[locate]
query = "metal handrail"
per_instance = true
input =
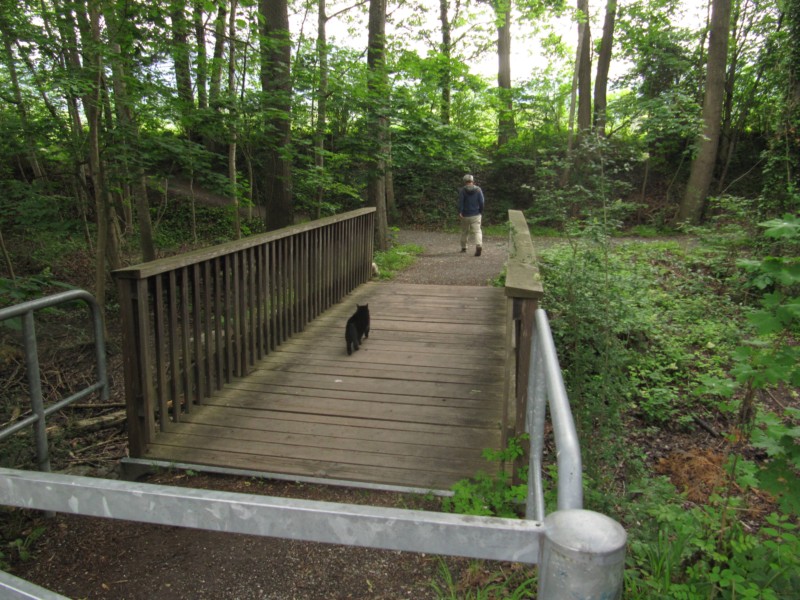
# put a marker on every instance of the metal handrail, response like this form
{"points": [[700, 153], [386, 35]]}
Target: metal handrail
{"points": [[546, 384], [580, 553], [26, 310]]}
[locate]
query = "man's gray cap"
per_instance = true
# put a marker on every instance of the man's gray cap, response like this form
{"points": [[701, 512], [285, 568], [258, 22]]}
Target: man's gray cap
{"points": [[468, 178]]}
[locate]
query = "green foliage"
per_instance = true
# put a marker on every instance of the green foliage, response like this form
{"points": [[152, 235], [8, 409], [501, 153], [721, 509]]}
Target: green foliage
{"points": [[22, 289], [396, 259], [706, 550], [513, 584], [22, 546], [491, 495]]}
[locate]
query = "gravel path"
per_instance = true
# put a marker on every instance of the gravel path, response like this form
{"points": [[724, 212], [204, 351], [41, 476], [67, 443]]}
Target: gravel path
{"points": [[443, 263]]}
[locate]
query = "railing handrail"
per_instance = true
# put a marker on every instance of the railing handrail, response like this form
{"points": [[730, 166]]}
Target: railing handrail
{"points": [[195, 322], [26, 310], [546, 387], [170, 263]]}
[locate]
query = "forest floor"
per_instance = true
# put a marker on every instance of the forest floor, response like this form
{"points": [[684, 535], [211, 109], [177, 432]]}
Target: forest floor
{"points": [[83, 557]]}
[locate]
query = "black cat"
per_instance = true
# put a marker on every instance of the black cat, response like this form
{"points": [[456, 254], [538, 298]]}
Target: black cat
{"points": [[357, 327]]}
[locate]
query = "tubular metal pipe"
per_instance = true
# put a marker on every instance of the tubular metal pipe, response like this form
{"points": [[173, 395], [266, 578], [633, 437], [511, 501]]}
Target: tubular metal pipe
{"points": [[26, 310], [537, 408], [568, 452], [494, 538]]}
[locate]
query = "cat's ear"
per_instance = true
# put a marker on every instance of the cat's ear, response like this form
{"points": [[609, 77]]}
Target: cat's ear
{"points": [[366, 306]]}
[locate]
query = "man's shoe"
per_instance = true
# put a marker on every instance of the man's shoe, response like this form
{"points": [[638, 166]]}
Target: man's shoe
{"points": [[478, 251], [463, 249]]}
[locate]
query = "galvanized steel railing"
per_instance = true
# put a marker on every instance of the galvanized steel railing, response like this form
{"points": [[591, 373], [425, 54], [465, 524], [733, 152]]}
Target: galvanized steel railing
{"points": [[546, 384], [26, 310]]}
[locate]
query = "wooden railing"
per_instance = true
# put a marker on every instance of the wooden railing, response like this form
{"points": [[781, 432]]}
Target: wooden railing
{"points": [[523, 290], [194, 322]]}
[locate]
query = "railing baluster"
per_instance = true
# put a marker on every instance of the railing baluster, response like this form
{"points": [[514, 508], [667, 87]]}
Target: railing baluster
{"points": [[185, 332], [198, 358], [198, 320], [174, 360], [160, 349], [219, 322]]}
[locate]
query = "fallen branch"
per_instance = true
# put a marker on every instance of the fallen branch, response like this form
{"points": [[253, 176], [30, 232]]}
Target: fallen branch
{"points": [[101, 422], [707, 426]]}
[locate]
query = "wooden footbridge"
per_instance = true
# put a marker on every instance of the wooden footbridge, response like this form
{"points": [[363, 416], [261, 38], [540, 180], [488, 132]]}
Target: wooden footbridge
{"points": [[235, 358]]}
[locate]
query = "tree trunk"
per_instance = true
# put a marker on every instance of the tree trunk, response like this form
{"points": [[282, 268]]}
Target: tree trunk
{"points": [[726, 128], [584, 70], [445, 81], [237, 225], [275, 191], [215, 85], [378, 85], [201, 78], [322, 103], [391, 202], [183, 70], [702, 171], [66, 26], [129, 131], [603, 64], [92, 62], [507, 128], [30, 147]]}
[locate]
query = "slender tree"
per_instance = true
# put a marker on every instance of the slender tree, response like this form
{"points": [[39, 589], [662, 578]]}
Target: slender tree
{"points": [[584, 68], [322, 101], [232, 174], [275, 181], [11, 64], [603, 65], [702, 171], [445, 49], [181, 58], [201, 77], [378, 85], [217, 61], [506, 127]]}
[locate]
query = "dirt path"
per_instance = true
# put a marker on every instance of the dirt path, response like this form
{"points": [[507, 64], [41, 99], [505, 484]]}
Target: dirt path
{"points": [[83, 557]]}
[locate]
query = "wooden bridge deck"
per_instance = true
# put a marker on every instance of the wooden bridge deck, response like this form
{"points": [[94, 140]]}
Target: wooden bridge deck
{"points": [[414, 407]]}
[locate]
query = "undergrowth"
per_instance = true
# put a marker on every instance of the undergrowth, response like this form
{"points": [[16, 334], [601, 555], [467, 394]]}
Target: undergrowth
{"points": [[695, 345]]}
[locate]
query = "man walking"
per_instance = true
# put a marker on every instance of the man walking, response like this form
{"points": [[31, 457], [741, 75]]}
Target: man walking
{"points": [[470, 211]]}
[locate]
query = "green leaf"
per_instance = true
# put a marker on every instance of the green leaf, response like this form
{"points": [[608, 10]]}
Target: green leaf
{"points": [[788, 227]]}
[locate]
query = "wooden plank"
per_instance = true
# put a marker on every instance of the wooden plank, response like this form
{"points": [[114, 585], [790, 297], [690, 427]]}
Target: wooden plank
{"points": [[428, 434], [414, 410], [330, 447], [390, 475], [478, 387], [443, 464], [425, 372], [415, 406]]}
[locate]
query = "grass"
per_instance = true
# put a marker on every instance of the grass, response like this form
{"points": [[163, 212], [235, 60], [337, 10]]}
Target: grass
{"points": [[397, 258]]}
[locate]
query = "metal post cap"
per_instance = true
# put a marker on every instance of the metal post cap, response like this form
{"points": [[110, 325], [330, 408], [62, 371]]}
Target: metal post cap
{"points": [[581, 532]]}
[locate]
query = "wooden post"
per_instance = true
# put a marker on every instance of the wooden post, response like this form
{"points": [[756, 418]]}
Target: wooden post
{"points": [[524, 290]]}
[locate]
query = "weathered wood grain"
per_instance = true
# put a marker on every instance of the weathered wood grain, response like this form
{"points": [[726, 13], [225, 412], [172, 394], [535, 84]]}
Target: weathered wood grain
{"points": [[415, 406]]}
